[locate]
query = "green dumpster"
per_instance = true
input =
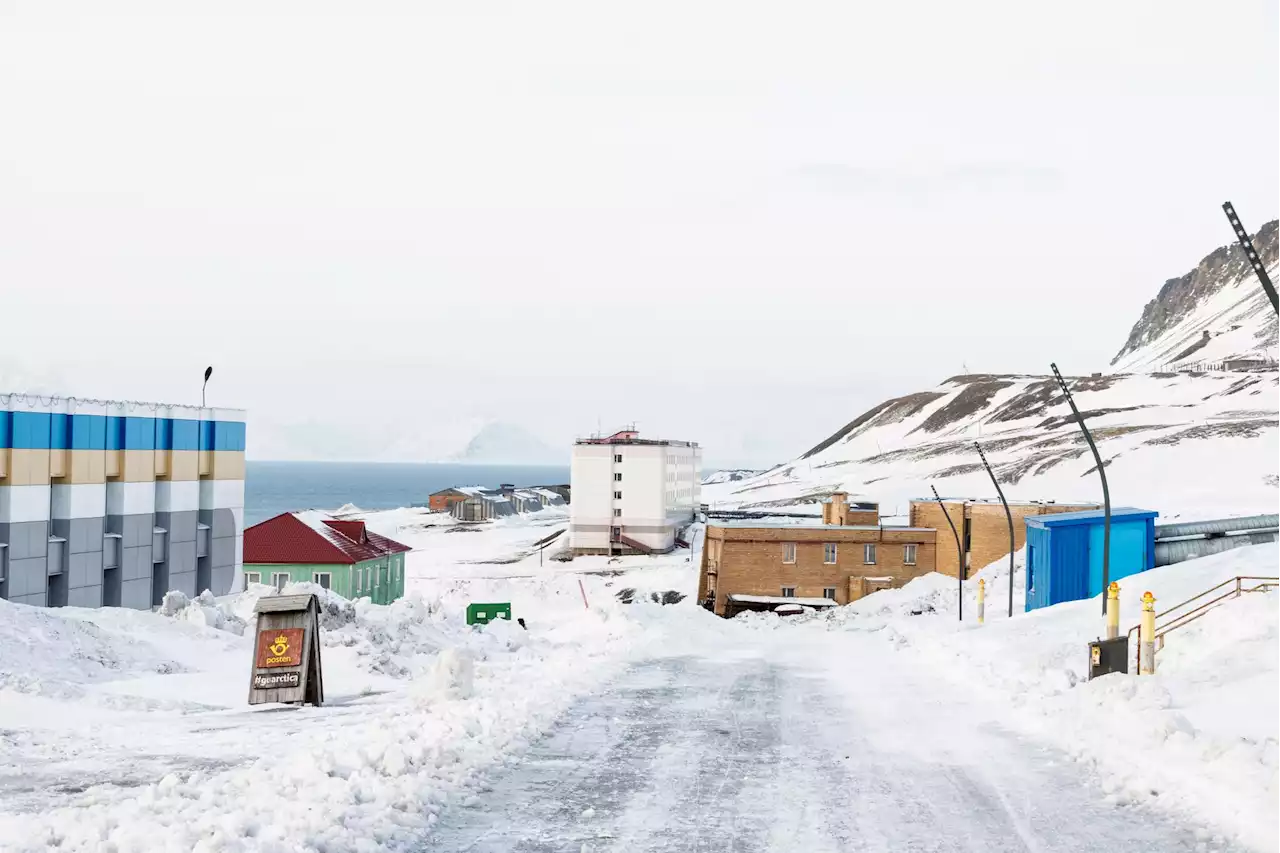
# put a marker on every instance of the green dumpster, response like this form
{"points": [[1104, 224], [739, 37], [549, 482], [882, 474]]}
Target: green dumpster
{"points": [[483, 614]]}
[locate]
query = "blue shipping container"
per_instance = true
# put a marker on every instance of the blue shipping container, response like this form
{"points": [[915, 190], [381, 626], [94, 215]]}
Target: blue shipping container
{"points": [[1064, 552]]}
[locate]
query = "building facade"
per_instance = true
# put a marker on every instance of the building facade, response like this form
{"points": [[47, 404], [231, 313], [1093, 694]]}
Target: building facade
{"points": [[750, 563], [632, 495], [982, 526], [310, 547], [112, 503]]}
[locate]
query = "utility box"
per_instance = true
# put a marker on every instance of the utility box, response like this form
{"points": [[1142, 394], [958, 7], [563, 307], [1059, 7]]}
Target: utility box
{"points": [[1064, 553], [483, 614], [1108, 656]]}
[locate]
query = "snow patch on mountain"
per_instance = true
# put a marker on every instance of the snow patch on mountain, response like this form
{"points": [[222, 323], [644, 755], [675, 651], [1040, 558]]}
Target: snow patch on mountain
{"points": [[501, 443]]}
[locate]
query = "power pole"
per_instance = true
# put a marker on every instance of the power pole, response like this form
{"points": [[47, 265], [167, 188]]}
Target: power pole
{"points": [[1106, 493], [1252, 254], [1008, 517], [959, 552]]}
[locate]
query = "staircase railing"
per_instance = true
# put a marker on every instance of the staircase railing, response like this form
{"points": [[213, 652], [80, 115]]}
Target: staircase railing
{"points": [[1184, 613]]}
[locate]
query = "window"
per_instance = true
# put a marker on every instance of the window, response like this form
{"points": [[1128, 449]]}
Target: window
{"points": [[908, 555], [617, 513], [252, 577], [377, 576], [614, 533], [788, 552], [617, 496], [788, 592], [57, 545], [869, 554], [202, 539], [325, 579], [617, 477], [617, 457], [829, 592], [829, 553], [157, 545], [279, 579], [111, 551]]}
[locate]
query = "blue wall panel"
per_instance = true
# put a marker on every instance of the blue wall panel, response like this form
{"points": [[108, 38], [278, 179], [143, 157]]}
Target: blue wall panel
{"points": [[186, 434], [88, 432], [228, 435], [6, 430], [31, 430], [206, 435], [164, 433], [139, 433], [1129, 554], [59, 431], [115, 433]]}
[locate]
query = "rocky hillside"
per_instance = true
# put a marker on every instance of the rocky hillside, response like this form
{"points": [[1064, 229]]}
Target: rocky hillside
{"points": [[1215, 312], [1183, 443]]}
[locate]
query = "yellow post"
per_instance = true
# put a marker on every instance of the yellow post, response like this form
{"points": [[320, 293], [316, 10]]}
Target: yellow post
{"points": [[1147, 636], [1113, 611], [982, 600]]}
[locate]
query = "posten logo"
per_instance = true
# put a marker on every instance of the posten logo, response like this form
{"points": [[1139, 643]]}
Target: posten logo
{"points": [[280, 647]]}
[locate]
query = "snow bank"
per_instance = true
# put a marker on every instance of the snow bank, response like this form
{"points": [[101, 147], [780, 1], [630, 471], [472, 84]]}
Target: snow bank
{"points": [[1199, 737]]}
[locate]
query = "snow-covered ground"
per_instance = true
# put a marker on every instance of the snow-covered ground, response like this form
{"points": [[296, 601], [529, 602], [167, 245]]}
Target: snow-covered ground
{"points": [[129, 731]]}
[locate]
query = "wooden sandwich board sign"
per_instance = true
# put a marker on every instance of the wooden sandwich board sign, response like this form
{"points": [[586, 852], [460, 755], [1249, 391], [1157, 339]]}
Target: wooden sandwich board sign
{"points": [[286, 653]]}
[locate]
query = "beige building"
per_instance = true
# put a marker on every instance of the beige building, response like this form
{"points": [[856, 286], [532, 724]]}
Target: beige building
{"points": [[982, 527], [758, 566]]}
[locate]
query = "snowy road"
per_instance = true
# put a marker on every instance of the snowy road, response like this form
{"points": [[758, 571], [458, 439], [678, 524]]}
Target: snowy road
{"points": [[816, 742]]}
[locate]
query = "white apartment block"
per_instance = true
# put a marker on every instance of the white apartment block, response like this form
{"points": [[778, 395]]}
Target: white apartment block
{"points": [[631, 494]]}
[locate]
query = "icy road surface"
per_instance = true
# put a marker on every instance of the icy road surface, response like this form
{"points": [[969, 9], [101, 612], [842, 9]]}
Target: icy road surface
{"points": [[840, 744]]}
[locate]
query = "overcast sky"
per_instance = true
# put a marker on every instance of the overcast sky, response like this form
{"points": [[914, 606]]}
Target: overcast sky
{"points": [[734, 222]]}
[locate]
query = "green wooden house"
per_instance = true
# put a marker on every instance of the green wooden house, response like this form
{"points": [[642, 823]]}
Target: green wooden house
{"points": [[343, 556]]}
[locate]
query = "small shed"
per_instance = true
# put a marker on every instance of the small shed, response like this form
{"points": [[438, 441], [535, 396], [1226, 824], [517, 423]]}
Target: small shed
{"points": [[1064, 552]]}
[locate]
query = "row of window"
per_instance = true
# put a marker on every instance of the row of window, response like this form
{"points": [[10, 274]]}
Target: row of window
{"points": [[366, 578], [830, 553], [827, 592]]}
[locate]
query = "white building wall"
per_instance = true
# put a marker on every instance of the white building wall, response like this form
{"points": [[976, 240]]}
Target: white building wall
{"points": [[658, 488]]}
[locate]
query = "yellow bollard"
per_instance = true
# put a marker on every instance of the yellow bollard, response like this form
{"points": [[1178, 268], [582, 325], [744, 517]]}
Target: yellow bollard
{"points": [[1147, 636], [982, 600], [1113, 611]]}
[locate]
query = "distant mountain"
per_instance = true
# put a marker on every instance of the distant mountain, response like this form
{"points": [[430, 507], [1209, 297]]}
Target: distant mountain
{"points": [[728, 475], [502, 443], [1215, 312]]}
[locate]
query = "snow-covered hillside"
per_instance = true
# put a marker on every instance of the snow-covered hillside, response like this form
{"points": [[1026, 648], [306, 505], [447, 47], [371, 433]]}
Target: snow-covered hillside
{"points": [[1180, 443], [499, 442], [1216, 312]]}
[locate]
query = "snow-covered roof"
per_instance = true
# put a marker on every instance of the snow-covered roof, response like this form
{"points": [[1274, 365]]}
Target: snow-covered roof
{"points": [[778, 599], [807, 525]]}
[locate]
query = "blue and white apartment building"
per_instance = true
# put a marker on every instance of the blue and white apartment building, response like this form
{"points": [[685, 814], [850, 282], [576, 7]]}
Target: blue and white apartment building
{"points": [[106, 502]]}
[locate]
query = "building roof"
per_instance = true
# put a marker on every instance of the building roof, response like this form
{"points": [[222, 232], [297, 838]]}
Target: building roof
{"points": [[313, 537], [629, 436], [740, 525], [996, 501], [777, 599], [1066, 519]]}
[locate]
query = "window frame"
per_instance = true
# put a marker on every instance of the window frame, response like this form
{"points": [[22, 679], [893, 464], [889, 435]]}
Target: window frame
{"points": [[617, 458], [868, 551], [315, 579], [789, 553], [247, 575], [830, 550], [829, 589], [910, 553], [275, 582], [617, 476], [788, 592], [617, 512], [617, 496]]}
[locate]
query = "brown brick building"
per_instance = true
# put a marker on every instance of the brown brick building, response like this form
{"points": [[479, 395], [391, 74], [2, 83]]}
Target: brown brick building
{"points": [[982, 526], [840, 563]]}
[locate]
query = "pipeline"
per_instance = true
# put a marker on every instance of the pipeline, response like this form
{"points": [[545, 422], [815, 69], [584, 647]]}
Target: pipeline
{"points": [[1176, 550], [1217, 526]]}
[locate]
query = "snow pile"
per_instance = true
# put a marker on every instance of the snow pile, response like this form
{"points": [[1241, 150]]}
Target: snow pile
{"points": [[1199, 737], [204, 609]]}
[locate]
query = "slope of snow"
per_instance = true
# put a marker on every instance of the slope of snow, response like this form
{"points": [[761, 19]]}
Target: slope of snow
{"points": [[1199, 738], [1188, 445], [498, 442]]}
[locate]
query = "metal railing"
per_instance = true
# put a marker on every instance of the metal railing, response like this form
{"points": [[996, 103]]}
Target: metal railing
{"points": [[1172, 619]]}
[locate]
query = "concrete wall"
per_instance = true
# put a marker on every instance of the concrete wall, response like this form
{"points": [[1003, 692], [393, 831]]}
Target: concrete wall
{"points": [[986, 527], [751, 561], [109, 503], [647, 491]]}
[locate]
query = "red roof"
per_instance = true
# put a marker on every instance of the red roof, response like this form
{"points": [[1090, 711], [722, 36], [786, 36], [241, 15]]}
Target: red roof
{"points": [[289, 538]]}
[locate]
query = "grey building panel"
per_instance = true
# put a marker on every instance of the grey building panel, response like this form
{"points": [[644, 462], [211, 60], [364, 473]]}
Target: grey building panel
{"points": [[86, 596], [84, 535], [28, 577], [35, 599], [61, 527], [135, 563], [76, 571], [222, 524], [114, 524], [184, 582], [92, 567], [28, 539], [182, 526], [4, 532], [136, 594], [222, 552], [221, 579]]}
